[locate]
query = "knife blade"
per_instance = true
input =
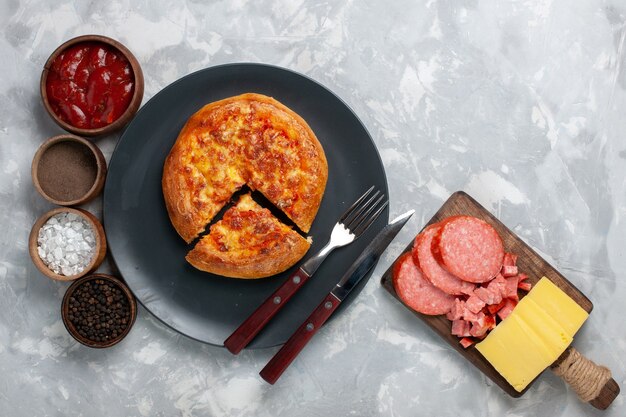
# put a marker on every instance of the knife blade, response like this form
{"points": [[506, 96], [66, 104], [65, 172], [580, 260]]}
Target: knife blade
{"points": [[357, 271]]}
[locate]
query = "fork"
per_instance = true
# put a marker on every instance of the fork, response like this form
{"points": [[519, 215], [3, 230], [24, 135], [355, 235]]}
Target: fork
{"points": [[350, 226]]}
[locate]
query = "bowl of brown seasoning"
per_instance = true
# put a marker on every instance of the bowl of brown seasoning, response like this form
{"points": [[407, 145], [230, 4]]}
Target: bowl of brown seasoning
{"points": [[98, 310], [68, 170]]}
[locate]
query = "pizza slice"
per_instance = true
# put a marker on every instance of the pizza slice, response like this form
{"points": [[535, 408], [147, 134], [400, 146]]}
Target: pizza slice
{"points": [[248, 242]]}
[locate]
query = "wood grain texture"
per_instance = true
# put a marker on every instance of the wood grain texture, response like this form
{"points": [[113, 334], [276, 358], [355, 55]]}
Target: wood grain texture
{"points": [[529, 262], [609, 392]]}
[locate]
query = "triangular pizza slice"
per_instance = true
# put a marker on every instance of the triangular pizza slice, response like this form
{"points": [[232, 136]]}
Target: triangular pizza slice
{"points": [[248, 242]]}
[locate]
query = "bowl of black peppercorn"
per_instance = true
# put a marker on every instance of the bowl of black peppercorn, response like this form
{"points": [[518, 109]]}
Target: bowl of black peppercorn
{"points": [[98, 310]]}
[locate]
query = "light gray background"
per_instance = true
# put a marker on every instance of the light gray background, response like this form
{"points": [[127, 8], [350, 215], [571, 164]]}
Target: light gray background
{"points": [[519, 103]]}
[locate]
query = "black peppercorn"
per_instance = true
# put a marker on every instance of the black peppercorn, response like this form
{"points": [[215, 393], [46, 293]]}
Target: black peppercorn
{"points": [[99, 311]]}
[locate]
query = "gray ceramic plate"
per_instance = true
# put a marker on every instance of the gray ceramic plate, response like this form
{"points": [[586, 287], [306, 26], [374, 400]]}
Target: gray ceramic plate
{"points": [[151, 256]]}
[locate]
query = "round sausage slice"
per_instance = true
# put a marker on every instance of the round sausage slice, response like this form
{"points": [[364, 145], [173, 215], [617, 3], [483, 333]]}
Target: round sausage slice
{"points": [[469, 248], [416, 291], [435, 273]]}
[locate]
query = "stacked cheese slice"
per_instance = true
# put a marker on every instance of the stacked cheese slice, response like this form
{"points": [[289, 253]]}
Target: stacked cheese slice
{"points": [[534, 335]]}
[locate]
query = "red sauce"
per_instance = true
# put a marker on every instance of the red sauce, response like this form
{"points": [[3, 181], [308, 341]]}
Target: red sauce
{"points": [[90, 85]]}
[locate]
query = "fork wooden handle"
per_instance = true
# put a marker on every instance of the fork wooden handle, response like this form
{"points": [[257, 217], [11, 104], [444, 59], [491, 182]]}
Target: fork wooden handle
{"points": [[283, 358], [263, 314]]}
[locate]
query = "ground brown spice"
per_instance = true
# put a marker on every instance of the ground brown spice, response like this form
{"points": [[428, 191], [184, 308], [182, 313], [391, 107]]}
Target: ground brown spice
{"points": [[67, 171]]}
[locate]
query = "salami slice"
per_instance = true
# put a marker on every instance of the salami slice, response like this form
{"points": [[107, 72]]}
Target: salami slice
{"points": [[439, 277], [416, 291], [470, 249]]}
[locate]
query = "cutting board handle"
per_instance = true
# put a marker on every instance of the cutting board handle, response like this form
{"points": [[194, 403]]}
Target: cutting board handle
{"points": [[593, 383]]}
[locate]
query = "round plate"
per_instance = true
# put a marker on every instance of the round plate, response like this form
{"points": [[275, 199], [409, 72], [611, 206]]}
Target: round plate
{"points": [[151, 256]]}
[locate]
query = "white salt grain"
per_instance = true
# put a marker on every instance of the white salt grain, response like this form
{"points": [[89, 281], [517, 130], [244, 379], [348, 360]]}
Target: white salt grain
{"points": [[66, 244]]}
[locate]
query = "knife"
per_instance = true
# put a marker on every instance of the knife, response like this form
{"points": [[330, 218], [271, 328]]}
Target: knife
{"points": [[357, 271]]}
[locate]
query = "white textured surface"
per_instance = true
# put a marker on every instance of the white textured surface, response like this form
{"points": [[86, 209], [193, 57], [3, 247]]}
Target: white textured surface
{"points": [[520, 103]]}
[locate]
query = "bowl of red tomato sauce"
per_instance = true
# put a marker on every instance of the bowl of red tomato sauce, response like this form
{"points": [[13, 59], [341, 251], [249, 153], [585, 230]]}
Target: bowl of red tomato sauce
{"points": [[92, 85]]}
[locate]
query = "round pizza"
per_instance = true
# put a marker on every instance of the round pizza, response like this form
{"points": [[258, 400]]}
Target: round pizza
{"points": [[252, 140]]}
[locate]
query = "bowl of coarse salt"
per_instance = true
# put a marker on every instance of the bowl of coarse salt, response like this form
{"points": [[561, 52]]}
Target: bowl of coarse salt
{"points": [[67, 243]]}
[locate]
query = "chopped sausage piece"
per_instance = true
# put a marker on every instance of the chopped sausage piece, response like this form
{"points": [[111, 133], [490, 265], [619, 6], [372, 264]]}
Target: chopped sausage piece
{"points": [[482, 325], [461, 328], [494, 308], [469, 315], [456, 312], [475, 304], [416, 291], [511, 288], [510, 259], [489, 296], [525, 286], [509, 270], [498, 285], [466, 342], [469, 248], [507, 308]]}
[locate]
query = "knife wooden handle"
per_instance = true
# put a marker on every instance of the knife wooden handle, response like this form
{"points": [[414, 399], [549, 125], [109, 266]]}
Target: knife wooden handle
{"points": [[593, 383], [263, 314], [283, 358]]}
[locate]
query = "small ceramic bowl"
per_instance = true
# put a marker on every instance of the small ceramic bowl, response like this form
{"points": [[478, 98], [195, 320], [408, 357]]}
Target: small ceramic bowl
{"points": [[135, 101], [68, 170], [113, 282], [100, 250]]}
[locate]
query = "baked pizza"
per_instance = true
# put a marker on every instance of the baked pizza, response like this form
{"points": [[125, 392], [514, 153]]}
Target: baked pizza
{"points": [[247, 139], [248, 242]]}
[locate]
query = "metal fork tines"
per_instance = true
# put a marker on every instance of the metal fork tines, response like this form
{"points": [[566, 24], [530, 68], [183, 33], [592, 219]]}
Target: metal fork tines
{"points": [[359, 216], [351, 225]]}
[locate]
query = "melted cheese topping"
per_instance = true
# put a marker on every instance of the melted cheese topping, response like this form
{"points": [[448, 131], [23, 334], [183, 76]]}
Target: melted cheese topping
{"points": [[251, 142], [247, 230]]}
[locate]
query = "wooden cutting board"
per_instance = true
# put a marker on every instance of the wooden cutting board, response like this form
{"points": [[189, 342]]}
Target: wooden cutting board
{"points": [[529, 262]]}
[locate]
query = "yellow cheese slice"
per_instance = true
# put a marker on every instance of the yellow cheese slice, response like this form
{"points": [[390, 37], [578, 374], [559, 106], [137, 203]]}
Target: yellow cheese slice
{"points": [[534, 335], [558, 305], [551, 333], [516, 351]]}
